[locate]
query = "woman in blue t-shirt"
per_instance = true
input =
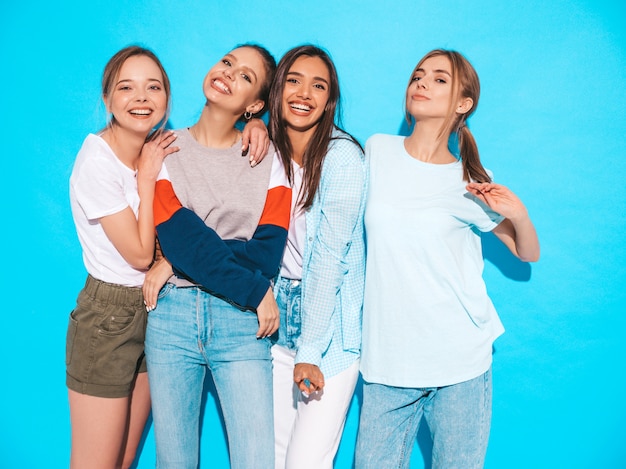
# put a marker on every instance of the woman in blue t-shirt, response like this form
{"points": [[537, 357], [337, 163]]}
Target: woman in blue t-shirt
{"points": [[428, 323]]}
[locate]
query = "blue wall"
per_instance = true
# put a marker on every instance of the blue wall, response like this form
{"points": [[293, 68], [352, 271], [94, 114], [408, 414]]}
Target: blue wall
{"points": [[551, 125]]}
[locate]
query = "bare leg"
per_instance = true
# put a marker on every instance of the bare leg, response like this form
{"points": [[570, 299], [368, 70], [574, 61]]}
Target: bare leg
{"points": [[98, 429], [139, 412]]}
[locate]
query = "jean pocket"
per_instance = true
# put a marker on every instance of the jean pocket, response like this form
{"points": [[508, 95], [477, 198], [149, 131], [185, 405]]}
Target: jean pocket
{"points": [[167, 288], [117, 323]]}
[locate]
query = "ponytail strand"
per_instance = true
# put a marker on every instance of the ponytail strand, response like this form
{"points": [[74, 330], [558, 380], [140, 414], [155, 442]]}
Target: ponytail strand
{"points": [[473, 170]]}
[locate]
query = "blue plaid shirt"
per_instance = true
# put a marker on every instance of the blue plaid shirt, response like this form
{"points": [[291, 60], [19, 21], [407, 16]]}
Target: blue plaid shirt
{"points": [[333, 266]]}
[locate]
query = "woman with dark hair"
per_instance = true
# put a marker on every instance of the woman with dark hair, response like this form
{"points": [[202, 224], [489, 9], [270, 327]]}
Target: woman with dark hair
{"points": [[428, 323], [319, 290], [222, 225]]}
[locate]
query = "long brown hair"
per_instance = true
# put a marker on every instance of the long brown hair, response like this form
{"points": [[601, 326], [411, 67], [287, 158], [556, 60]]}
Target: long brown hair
{"points": [[112, 71], [465, 84], [317, 147]]}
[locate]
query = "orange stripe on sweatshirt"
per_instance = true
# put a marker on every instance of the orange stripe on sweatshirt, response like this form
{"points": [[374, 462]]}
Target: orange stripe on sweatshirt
{"points": [[165, 201], [277, 207]]}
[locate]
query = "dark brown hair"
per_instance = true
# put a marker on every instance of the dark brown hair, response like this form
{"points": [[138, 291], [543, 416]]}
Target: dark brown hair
{"points": [[317, 147], [112, 71], [465, 84]]}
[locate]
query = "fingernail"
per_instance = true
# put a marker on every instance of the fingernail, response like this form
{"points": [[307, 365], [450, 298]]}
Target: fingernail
{"points": [[252, 164]]}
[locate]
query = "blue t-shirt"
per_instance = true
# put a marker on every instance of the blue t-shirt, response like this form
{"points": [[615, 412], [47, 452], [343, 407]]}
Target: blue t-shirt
{"points": [[427, 318]]}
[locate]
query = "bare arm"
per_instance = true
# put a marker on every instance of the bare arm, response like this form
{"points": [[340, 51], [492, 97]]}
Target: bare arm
{"points": [[517, 232], [156, 277], [134, 237], [255, 141]]}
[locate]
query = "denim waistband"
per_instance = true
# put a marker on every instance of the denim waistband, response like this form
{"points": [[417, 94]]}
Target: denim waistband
{"points": [[283, 282]]}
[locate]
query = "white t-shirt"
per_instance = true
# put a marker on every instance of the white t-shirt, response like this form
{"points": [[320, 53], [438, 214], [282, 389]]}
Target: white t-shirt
{"points": [[427, 320], [102, 185], [291, 265]]}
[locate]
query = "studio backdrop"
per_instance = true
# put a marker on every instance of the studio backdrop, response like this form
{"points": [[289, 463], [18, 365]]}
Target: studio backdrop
{"points": [[550, 124]]}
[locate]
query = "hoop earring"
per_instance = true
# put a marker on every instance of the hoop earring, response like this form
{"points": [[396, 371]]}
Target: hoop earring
{"points": [[247, 115]]}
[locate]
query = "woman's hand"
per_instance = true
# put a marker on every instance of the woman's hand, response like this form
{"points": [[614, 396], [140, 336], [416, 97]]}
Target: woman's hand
{"points": [[517, 232], [153, 153], [156, 277], [309, 378], [255, 141], [498, 198], [268, 315]]}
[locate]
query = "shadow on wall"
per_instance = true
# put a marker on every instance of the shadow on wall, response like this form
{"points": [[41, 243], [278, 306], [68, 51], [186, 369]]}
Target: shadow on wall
{"points": [[423, 440], [209, 393], [499, 255], [142, 443], [404, 129]]}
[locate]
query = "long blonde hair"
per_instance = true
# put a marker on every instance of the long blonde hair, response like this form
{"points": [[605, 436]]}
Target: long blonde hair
{"points": [[465, 84]]}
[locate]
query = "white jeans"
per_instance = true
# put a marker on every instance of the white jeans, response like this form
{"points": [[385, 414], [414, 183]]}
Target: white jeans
{"points": [[308, 430]]}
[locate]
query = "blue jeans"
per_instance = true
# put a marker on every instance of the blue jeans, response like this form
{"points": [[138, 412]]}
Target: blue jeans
{"points": [[288, 298], [189, 332], [459, 418]]}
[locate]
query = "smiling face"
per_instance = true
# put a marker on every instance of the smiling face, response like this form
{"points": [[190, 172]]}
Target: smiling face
{"points": [[138, 100], [236, 80], [305, 93]]}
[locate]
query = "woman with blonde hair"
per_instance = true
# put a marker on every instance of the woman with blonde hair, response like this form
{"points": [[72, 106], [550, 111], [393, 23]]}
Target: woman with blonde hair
{"points": [[428, 323], [111, 192]]}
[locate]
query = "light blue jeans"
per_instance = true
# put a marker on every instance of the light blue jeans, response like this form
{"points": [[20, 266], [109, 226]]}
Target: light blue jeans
{"points": [[459, 418], [189, 332], [288, 298]]}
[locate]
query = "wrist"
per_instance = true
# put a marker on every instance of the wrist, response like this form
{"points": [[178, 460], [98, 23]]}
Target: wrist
{"points": [[519, 218]]}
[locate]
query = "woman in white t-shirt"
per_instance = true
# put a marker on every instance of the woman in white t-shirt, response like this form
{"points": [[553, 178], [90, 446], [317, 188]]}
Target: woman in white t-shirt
{"points": [[428, 323], [111, 194]]}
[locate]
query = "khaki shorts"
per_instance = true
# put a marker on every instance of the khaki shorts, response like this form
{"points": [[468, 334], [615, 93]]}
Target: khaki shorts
{"points": [[105, 336]]}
